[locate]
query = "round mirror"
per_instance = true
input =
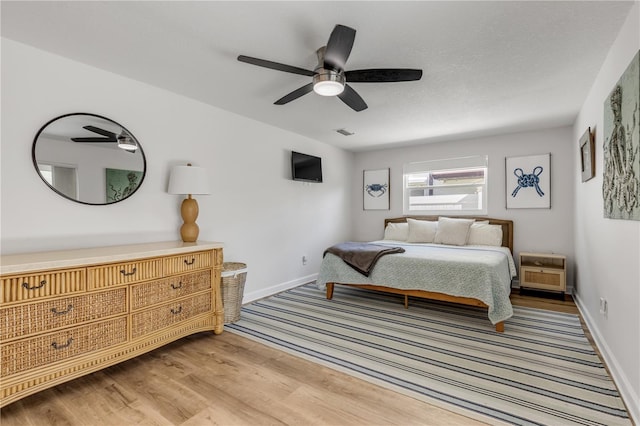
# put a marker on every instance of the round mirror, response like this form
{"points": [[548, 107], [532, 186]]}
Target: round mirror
{"points": [[89, 159]]}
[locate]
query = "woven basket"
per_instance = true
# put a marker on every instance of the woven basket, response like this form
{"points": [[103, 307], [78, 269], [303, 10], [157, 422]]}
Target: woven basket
{"points": [[234, 274]]}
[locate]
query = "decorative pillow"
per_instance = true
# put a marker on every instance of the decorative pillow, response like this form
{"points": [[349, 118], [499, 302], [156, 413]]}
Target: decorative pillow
{"points": [[453, 231], [421, 231], [484, 234], [396, 231]]}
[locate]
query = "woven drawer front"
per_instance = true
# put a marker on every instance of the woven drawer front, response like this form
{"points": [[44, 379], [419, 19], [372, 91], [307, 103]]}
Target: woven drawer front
{"points": [[153, 292], [34, 286], [124, 273], [16, 321], [151, 320], [187, 262], [46, 349], [542, 277]]}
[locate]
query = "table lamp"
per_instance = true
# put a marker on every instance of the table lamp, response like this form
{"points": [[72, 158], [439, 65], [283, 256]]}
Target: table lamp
{"points": [[189, 180]]}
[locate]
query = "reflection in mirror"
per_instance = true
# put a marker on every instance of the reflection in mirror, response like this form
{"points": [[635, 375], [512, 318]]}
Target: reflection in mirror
{"points": [[63, 178], [89, 159]]}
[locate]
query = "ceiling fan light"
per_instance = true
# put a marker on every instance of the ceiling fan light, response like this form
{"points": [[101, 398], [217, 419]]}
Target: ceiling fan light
{"points": [[126, 142], [328, 88], [328, 82]]}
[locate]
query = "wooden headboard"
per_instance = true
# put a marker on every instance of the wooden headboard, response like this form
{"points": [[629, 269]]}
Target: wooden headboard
{"points": [[507, 225]]}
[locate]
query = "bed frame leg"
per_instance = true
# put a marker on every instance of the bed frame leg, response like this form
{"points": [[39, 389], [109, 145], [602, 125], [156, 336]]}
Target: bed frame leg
{"points": [[500, 327], [406, 301], [329, 291]]}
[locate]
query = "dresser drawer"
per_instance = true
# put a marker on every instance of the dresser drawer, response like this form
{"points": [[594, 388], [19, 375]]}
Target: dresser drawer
{"points": [[543, 279], [124, 273], [154, 292], [26, 319], [43, 350], [187, 262], [148, 321], [34, 286]]}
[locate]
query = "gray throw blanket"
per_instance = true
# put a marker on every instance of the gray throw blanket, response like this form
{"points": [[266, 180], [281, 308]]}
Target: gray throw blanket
{"points": [[361, 256]]}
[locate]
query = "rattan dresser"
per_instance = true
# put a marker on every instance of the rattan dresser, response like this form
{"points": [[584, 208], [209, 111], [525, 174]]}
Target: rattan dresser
{"points": [[69, 313]]}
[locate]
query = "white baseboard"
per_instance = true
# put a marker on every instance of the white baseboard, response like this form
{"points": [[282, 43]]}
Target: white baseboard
{"points": [[624, 387], [278, 288]]}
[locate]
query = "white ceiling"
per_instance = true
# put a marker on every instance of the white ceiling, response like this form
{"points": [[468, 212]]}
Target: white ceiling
{"points": [[489, 67]]}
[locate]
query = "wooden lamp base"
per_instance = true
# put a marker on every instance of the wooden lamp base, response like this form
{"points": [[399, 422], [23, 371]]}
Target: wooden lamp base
{"points": [[189, 210]]}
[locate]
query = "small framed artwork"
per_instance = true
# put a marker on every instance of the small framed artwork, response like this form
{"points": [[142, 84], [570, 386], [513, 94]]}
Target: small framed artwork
{"points": [[587, 155], [528, 182], [375, 189], [121, 183]]}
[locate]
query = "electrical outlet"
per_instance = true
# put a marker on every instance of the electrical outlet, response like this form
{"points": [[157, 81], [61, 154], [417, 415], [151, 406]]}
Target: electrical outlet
{"points": [[604, 307], [304, 259]]}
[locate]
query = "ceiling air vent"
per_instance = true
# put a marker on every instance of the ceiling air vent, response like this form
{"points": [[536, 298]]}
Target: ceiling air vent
{"points": [[344, 132]]}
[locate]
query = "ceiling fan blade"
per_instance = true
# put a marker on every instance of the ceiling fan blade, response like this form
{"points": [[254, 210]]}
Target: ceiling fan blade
{"points": [[339, 47], [384, 75], [352, 99], [275, 65], [100, 131], [94, 140], [295, 94]]}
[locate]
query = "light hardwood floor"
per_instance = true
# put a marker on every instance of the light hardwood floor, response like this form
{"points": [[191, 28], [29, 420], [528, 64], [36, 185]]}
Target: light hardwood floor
{"points": [[229, 380]]}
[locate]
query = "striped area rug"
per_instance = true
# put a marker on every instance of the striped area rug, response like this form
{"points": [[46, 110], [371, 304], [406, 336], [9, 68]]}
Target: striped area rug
{"points": [[541, 370]]}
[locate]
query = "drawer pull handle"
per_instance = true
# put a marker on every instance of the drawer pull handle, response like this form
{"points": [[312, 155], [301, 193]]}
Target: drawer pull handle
{"points": [[175, 287], [66, 345], [176, 311], [126, 274], [35, 287], [57, 312], [193, 260]]}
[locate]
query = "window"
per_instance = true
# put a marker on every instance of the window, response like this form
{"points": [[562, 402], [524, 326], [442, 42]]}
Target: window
{"points": [[451, 186]]}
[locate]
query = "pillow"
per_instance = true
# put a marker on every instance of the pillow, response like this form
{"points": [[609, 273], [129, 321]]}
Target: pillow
{"points": [[396, 231], [483, 234], [421, 231], [453, 231]]}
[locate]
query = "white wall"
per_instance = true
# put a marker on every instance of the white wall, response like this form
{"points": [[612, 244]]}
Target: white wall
{"points": [[269, 221], [539, 230], [264, 218], [607, 250]]}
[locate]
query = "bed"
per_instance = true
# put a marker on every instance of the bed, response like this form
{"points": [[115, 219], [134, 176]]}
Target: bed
{"points": [[477, 272]]}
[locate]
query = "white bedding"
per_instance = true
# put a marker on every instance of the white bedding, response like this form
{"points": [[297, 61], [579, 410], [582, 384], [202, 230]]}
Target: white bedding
{"points": [[479, 272]]}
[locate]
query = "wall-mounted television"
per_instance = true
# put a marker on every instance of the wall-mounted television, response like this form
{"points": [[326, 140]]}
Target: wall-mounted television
{"points": [[306, 167]]}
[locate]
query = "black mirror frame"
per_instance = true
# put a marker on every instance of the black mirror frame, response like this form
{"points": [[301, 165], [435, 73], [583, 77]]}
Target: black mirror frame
{"points": [[35, 162]]}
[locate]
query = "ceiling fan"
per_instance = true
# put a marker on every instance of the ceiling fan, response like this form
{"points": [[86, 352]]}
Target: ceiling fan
{"points": [[107, 136], [330, 77], [123, 140]]}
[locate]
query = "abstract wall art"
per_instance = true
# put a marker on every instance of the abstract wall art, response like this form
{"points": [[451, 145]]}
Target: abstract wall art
{"points": [[528, 182], [621, 167], [121, 183]]}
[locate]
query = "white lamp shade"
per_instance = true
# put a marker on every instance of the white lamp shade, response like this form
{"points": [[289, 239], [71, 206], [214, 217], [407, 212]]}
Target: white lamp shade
{"points": [[189, 180]]}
